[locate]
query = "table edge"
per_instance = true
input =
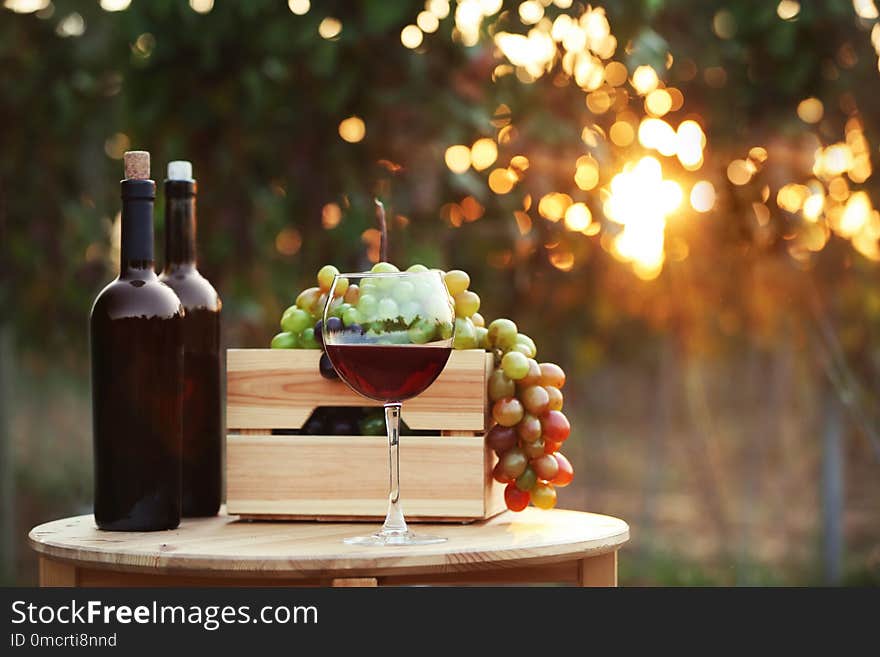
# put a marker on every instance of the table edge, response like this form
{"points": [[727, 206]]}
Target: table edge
{"points": [[280, 567]]}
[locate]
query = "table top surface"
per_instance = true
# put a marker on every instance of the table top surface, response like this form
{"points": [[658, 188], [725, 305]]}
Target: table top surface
{"points": [[228, 546]]}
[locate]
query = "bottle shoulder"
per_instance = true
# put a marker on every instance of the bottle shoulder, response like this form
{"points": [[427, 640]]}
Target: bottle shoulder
{"points": [[193, 289], [131, 298]]}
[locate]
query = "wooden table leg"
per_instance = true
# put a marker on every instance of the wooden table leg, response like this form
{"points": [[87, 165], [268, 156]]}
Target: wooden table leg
{"points": [[354, 582], [600, 570], [56, 573]]}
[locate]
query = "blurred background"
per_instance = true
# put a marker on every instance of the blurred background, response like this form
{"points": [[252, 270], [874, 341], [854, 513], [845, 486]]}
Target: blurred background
{"points": [[673, 197]]}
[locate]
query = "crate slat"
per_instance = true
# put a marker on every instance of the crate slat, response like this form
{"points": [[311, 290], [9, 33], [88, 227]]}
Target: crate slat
{"points": [[280, 388], [293, 476]]}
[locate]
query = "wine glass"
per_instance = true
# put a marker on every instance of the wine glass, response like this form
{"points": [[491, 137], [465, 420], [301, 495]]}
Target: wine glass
{"points": [[389, 345]]}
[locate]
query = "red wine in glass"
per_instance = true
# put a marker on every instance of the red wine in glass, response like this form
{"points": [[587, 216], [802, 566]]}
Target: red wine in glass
{"points": [[394, 346], [388, 372]]}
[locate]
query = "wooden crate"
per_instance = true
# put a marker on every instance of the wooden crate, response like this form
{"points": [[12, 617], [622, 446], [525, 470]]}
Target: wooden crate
{"points": [[444, 477]]}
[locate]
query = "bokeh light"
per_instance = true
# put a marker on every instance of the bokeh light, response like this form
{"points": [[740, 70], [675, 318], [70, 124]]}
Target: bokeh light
{"points": [[352, 129], [458, 158]]}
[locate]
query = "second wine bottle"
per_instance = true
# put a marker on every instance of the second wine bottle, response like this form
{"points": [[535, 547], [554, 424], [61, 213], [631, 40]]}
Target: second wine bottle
{"points": [[202, 419]]}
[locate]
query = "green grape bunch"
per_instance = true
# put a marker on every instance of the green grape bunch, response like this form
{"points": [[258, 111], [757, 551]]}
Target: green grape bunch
{"points": [[525, 397]]}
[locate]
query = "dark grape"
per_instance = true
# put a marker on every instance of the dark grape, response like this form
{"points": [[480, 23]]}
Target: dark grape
{"points": [[501, 439], [314, 425], [343, 426], [319, 332], [334, 324], [325, 367]]}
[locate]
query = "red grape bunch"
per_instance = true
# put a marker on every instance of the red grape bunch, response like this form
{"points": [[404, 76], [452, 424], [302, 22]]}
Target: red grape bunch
{"points": [[526, 403]]}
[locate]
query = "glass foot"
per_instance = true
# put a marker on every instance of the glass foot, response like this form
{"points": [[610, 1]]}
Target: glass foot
{"points": [[394, 538]]}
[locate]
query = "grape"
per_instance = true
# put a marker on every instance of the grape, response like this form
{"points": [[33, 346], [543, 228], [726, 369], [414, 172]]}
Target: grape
{"points": [[294, 320], [482, 336], [535, 449], [456, 281], [556, 398], [403, 291], [355, 329], [527, 480], [384, 268], [319, 305], [341, 287], [335, 307], [325, 277], [555, 426], [552, 375], [284, 340], [535, 399], [466, 303], [409, 310], [478, 320], [551, 447], [544, 496], [515, 365], [417, 268], [499, 476], [529, 345], [465, 334], [319, 333], [350, 316], [334, 324], [501, 439], [352, 294], [325, 367], [308, 299], [515, 499], [342, 426], [533, 377], [546, 466], [500, 386], [368, 305], [388, 309], [513, 462], [566, 471], [507, 411], [307, 339], [373, 425], [421, 332], [502, 333], [445, 330], [368, 286], [529, 428]]}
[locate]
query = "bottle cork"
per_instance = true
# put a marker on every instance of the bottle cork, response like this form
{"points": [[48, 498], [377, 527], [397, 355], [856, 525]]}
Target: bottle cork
{"points": [[137, 165]]}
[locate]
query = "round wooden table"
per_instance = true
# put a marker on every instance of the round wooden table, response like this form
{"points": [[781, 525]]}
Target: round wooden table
{"points": [[532, 546]]}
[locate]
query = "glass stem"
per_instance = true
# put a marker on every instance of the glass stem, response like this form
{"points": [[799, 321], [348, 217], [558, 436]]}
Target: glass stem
{"points": [[394, 522]]}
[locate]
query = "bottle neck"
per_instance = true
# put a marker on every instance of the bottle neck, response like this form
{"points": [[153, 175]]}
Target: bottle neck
{"points": [[136, 252], [180, 224]]}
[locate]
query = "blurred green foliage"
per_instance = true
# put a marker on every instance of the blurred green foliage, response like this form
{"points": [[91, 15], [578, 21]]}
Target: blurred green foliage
{"points": [[254, 97]]}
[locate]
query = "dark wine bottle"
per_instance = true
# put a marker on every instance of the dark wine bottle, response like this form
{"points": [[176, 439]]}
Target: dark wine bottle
{"points": [[137, 373], [202, 418]]}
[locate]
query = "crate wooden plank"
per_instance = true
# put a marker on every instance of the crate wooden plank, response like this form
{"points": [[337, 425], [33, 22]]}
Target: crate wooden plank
{"points": [[446, 477], [279, 389]]}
